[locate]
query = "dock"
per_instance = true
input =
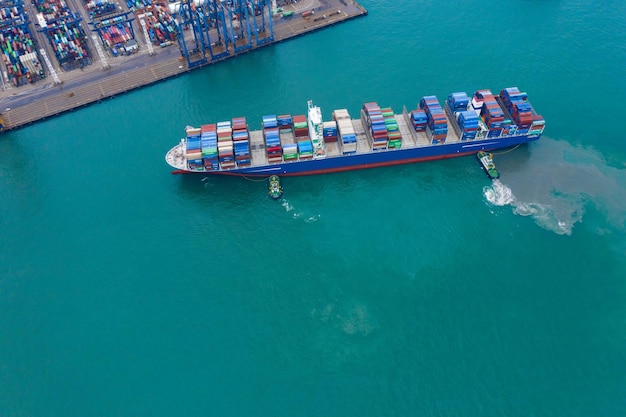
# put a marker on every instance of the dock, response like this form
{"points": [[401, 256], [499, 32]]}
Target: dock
{"points": [[105, 79]]}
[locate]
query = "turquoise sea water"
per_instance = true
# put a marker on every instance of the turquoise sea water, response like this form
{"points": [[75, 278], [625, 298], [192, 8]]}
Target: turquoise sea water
{"points": [[421, 290]]}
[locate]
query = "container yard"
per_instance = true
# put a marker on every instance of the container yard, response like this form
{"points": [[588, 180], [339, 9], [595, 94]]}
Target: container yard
{"points": [[65, 33], [19, 50], [63, 42]]}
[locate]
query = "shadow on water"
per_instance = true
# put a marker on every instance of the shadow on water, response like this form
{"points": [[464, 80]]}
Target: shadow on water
{"points": [[18, 173], [554, 182]]}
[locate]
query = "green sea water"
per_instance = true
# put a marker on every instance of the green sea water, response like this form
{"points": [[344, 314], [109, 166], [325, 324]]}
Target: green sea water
{"points": [[420, 290]]}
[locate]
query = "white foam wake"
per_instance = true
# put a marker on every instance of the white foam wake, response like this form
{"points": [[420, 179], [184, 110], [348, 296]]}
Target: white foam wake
{"points": [[555, 183], [289, 208], [499, 194]]}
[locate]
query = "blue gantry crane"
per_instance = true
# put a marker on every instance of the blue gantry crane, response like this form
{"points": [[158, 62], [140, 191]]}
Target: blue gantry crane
{"points": [[194, 49], [239, 25], [222, 27], [263, 32]]}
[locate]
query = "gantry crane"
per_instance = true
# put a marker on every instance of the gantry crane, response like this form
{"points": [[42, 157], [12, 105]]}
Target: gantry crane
{"points": [[222, 27], [263, 10]]}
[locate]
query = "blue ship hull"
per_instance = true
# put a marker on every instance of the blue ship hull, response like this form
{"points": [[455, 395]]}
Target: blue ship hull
{"points": [[374, 159]]}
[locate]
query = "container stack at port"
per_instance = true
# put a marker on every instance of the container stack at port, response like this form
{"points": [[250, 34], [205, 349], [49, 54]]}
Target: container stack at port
{"points": [[347, 135], [301, 133], [99, 8], [436, 119], [225, 149], [272, 139], [114, 32], [138, 4], [521, 111], [194, 149], [208, 139], [466, 120], [64, 32], [160, 24], [329, 131], [241, 141], [19, 50]]}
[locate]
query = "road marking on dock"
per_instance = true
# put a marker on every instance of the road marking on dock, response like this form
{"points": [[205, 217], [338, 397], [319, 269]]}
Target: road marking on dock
{"points": [[103, 58], [50, 67]]}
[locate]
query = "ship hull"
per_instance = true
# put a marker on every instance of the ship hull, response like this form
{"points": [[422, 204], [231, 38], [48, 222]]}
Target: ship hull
{"points": [[372, 159]]}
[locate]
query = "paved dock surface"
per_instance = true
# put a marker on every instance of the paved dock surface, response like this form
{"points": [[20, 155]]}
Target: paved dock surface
{"points": [[20, 106]]}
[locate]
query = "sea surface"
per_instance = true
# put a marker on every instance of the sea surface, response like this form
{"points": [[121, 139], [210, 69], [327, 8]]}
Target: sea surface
{"points": [[420, 290]]}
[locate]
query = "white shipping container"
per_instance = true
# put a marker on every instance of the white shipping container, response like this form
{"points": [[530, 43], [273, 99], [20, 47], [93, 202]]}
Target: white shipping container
{"points": [[344, 123], [341, 114], [194, 155]]}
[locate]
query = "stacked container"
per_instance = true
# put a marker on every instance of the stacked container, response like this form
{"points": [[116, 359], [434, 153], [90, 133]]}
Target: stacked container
{"points": [[18, 48], [419, 120], [521, 111], [458, 102], [99, 8], [160, 24], [272, 139], [115, 31], [194, 149], [394, 137], [437, 122], [347, 135], [290, 151], [285, 123], [478, 100], [17, 44], [468, 122], [225, 150], [303, 141], [493, 115], [241, 141], [65, 33], [305, 148], [208, 139], [300, 127], [329, 131], [376, 125]]}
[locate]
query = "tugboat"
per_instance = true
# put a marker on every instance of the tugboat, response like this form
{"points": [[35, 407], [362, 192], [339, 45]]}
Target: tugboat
{"points": [[486, 160], [275, 189]]}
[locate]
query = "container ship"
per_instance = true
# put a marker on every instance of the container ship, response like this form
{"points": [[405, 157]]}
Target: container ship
{"points": [[290, 145]]}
